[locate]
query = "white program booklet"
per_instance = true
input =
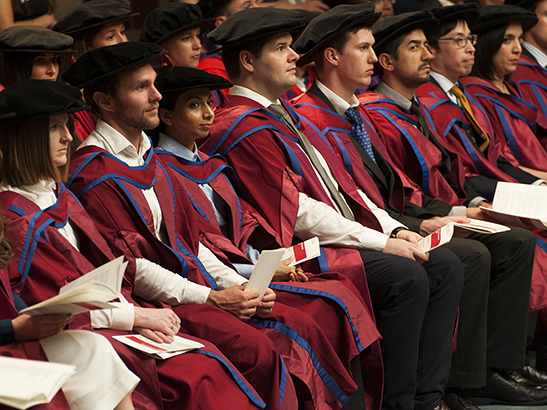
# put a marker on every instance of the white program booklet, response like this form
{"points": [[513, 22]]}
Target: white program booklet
{"points": [[304, 251], [437, 238], [445, 234], [159, 350], [264, 270], [519, 204], [91, 291], [25, 383]]}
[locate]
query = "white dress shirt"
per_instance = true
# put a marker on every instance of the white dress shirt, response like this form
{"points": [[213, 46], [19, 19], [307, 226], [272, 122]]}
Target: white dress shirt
{"points": [[316, 218], [153, 282], [539, 55]]}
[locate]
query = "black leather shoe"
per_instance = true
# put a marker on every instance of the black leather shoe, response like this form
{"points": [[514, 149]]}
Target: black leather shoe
{"points": [[502, 389], [534, 375], [459, 401]]}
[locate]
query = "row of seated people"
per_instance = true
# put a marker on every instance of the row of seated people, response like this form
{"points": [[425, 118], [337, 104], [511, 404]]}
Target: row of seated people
{"points": [[414, 305]]}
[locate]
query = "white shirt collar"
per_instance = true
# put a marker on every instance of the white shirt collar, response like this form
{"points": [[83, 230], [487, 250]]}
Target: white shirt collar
{"points": [[167, 143], [393, 95], [339, 104], [253, 95], [107, 138], [445, 84], [42, 193], [539, 55]]}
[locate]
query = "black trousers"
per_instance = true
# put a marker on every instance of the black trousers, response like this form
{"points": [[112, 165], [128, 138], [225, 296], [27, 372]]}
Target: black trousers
{"points": [[494, 304], [415, 308]]}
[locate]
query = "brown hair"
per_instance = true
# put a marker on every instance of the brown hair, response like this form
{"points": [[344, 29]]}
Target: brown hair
{"points": [[6, 249], [26, 154]]}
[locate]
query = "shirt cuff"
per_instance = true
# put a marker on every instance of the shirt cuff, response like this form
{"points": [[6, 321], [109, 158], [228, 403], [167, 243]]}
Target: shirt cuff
{"points": [[121, 318], [244, 269], [373, 240], [458, 210], [538, 182]]}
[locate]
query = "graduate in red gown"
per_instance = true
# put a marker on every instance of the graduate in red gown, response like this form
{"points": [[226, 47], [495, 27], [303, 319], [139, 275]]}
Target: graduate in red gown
{"points": [[264, 142], [230, 225], [513, 117], [111, 174], [328, 105], [92, 25], [45, 214]]}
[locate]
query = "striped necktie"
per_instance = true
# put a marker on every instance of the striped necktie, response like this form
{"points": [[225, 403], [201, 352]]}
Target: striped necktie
{"points": [[464, 103]]}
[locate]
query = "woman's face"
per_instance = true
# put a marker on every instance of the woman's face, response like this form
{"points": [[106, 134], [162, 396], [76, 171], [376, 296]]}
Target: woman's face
{"points": [[45, 67], [191, 118], [110, 34], [59, 139], [507, 57], [185, 48]]}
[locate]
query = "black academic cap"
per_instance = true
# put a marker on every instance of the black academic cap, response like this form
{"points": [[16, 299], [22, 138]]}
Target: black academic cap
{"points": [[93, 14], [254, 23], [469, 12], [209, 7], [34, 39], [30, 99], [180, 79], [166, 21], [525, 4], [330, 25], [385, 31], [100, 63], [496, 16]]}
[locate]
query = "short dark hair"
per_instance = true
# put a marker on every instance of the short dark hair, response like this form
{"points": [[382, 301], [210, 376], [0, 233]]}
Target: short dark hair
{"points": [[230, 57], [488, 44], [109, 86], [338, 43], [433, 36], [26, 156], [392, 49]]}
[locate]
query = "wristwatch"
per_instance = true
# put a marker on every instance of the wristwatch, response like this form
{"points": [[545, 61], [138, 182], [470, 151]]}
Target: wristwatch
{"points": [[394, 232]]}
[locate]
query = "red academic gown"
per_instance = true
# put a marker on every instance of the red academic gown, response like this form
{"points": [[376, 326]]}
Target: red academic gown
{"points": [[451, 124], [25, 350], [532, 81], [39, 270], [111, 192], [264, 154], [85, 123], [346, 321], [334, 127], [512, 118], [419, 158]]}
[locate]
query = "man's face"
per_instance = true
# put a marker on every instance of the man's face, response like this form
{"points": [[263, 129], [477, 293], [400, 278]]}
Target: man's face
{"points": [[450, 60], [137, 100], [356, 63], [275, 70], [537, 35], [412, 67]]}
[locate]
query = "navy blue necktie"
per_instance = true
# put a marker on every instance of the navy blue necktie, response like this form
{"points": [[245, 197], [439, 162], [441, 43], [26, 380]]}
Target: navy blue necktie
{"points": [[358, 131]]}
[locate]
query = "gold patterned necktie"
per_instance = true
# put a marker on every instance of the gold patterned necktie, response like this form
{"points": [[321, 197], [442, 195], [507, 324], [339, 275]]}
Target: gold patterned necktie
{"points": [[464, 103]]}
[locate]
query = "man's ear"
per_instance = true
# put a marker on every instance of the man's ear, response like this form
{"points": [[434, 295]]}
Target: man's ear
{"points": [[220, 20], [386, 61], [104, 101], [331, 56], [246, 59], [165, 116]]}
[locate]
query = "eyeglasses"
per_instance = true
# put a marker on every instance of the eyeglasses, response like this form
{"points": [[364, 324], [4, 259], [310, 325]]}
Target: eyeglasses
{"points": [[461, 42], [383, 1]]}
